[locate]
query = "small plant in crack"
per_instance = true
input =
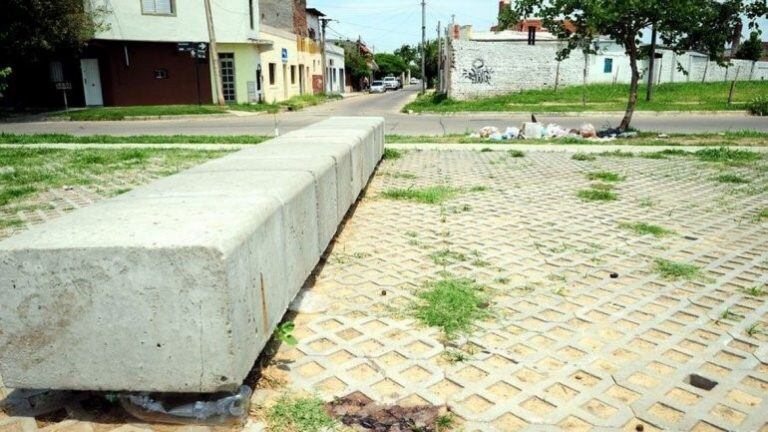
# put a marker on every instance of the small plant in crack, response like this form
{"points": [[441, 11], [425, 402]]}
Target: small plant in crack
{"points": [[755, 329], [515, 153], [732, 179], [560, 291], [446, 257], [454, 356], [607, 176], [479, 188], [392, 154], [729, 315], [671, 270], [427, 195], [486, 150], [300, 414], [445, 423], [452, 305], [642, 228], [762, 215], [502, 280], [583, 157], [284, 333], [755, 291], [595, 195]]}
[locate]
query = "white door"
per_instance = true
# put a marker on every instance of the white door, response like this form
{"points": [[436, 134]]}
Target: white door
{"points": [[91, 82]]}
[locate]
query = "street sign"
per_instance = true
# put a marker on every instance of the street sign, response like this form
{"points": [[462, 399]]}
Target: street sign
{"points": [[285, 55], [195, 49], [63, 85]]}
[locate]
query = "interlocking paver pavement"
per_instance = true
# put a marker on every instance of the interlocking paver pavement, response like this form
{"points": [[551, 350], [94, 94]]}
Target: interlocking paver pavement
{"points": [[568, 347]]}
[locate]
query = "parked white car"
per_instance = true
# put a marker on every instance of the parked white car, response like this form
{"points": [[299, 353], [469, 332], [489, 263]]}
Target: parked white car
{"points": [[392, 83], [415, 81], [378, 87]]}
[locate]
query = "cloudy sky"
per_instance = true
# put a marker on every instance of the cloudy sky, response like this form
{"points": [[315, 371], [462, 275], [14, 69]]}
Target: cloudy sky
{"points": [[387, 25]]}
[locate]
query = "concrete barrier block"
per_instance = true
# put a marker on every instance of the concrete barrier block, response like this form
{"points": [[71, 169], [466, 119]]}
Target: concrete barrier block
{"points": [[364, 138], [347, 154], [295, 191], [330, 208], [143, 294], [376, 123]]}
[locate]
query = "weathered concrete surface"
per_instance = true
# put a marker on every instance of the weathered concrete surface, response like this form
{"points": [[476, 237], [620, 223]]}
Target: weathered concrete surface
{"points": [[178, 285]]}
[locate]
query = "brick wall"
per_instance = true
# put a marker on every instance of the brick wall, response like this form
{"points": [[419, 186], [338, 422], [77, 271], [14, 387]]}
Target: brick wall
{"points": [[300, 18]]}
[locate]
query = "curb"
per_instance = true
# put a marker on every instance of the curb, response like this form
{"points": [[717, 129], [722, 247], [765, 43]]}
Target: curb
{"points": [[579, 114]]}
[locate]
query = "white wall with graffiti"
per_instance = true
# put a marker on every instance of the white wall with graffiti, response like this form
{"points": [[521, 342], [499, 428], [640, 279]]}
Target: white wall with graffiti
{"points": [[486, 64]]}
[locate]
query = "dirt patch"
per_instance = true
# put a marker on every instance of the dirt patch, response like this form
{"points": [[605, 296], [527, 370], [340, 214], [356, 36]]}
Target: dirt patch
{"points": [[358, 410]]}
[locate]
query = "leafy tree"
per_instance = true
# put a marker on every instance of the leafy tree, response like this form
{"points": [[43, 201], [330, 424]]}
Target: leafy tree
{"points": [[682, 24], [357, 63], [751, 49], [4, 74], [409, 54], [30, 30], [390, 64], [431, 62], [508, 17]]}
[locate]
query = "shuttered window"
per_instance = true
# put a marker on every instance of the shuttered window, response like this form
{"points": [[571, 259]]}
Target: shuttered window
{"points": [[158, 7]]}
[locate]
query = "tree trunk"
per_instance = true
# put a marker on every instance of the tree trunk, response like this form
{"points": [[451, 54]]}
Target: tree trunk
{"points": [[651, 61], [633, 87]]}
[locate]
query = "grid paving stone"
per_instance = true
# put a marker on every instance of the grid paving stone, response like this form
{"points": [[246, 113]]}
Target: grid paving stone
{"points": [[568, 347]]}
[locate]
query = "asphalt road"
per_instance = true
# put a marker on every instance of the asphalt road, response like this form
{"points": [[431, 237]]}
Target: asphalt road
{"points": [[387, 105]]}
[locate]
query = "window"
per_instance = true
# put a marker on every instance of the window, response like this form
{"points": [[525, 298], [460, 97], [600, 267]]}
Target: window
{"points": [[56, 71], [227, 61], [158, 7], [293, 74], [250, 11], [608, 66], [272, 67]]}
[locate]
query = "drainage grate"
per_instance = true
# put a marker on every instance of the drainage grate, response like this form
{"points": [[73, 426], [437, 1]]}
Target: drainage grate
{"points": [[701, 382]]}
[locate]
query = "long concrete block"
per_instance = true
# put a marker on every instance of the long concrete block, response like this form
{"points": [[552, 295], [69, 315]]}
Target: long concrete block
{"points": [[178, 285], [376, 124], [366, 142]]}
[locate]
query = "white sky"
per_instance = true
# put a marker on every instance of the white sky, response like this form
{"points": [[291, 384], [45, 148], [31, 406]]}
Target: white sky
{"points": [[388, 24]]}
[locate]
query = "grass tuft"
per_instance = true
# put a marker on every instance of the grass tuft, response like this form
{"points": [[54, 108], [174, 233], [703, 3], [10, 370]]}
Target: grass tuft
{"points": [[452, 305], [726, 155], [671, 270], [515, 153], [392, 154], [605, 176], [446, 257], [642, 228], [597, 195], [732, 179], [755, 291], [299, 414], [583, 157], [426, 195]]}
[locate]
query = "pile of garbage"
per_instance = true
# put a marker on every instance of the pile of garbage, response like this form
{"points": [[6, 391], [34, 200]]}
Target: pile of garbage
{"points": [[536, 130]]}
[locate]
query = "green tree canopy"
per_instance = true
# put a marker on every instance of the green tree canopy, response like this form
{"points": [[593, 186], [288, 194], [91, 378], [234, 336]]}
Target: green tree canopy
{"points": [[355, 62], [751, 49], [508, 17], [33, 29], [390, 65], [682, 24]]}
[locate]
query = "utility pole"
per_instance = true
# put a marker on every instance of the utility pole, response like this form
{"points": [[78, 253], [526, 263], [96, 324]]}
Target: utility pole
{"points": [[324, 22], [439, 58], [651, 63], [423, 46], [214, 54]]}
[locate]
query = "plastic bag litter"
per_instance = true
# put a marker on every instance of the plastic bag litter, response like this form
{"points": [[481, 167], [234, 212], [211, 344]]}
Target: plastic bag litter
{"points": [[533, 131], [512, 133], [497, 137], [588, 131], [556, 131], [488, 131], [214, 409]]}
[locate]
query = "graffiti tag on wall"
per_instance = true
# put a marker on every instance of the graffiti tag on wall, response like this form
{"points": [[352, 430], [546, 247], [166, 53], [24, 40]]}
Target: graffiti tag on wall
{"points": [[479, 73]]}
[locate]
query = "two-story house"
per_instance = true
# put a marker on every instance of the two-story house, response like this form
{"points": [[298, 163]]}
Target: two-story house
{"points": [[156, 52]]}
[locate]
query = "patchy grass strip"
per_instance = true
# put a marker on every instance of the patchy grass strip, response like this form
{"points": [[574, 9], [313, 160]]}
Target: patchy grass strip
{"points": [[605, 176], [447, 257], [452, 305], [642, 228], [732, 179], [392, 154], [426, 195], [755, 291], [134, 139], [299, 414], [583, 157], [516, 154], [597, 195], [671, 270]]}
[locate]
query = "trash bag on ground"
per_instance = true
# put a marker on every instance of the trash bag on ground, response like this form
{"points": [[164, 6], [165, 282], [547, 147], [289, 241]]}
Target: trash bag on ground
{"points": [[487, 131], [533, 131], [512, 133], [588, 131], [197, 409]]}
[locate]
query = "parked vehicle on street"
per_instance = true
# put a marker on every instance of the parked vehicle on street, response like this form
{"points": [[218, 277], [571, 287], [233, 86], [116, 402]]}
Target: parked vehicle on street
{"points": [[391, 82], [378, 87], [415, 81]]}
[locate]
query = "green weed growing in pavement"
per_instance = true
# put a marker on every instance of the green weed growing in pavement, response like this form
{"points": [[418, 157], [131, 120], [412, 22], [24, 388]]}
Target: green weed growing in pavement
{"points": [[400, 175], [646, 202], [671, 270], [597, 195], [299, 414], [729, 315], [762, 215], [452, 305], [755, 329], [603, 187], [583, 157], [617, 153], [727, 155], [284, 333], [426, 195], [392, 154], [445, 423], [447, 257], [479, 188], [607, 176], [486, 150], [454, 356], [755, 291], [515, 153], [732, 179], [642, 228]]}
